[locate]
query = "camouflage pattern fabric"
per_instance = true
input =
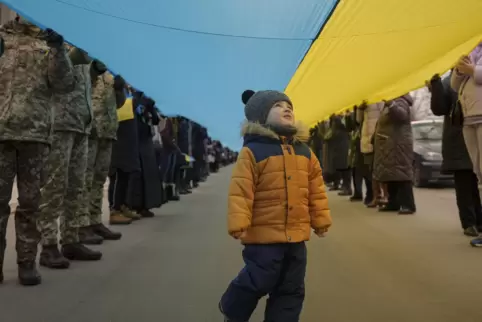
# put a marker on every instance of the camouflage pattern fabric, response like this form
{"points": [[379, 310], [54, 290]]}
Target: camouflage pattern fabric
{"points": [[63, 187], [100, 151], [24, 160], [73, 111], [105, 107], [31, 72]]}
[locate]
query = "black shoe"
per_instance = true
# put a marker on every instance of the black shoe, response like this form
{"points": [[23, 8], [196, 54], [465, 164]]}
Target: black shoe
{"points": [[105, 232], [471, 231], [406, 211], [52, 258], [388, 208], [334, 188], [146, 213], [477, 242], [195, 185], [80, 253], [356, 198], [345, 192], [28, 274], [88, 237]]}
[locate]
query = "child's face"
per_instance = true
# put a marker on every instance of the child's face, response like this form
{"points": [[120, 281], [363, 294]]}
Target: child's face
{"points": [[281, 114]]}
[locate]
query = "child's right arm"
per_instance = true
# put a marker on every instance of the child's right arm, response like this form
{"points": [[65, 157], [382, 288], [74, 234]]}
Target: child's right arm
{"points": [[241, 193]]}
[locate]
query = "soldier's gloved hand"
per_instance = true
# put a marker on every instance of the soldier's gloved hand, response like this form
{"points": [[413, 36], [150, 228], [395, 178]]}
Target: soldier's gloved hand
{"points": [[53, 39], [99, 67], [119, 83]]}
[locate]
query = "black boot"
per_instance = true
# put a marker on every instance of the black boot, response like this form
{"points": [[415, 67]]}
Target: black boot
{"points": [[145, 213], [52, 258], [28, 274], [88, 237], [105, 232], [80, 253]]}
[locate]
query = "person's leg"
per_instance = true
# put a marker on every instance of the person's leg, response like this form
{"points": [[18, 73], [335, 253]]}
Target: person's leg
{"points": [[406, 198], [464, 196], [369, 190], [286, 300], [471, 142], [357, 184], [376, 191], [393, 201], [53, 188], [84, 217], [346, 182], [101, 169], [70, 223], [258, 278], [31, 159], [8, 171]]}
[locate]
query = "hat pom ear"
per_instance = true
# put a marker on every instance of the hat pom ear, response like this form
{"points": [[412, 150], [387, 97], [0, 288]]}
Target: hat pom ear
{"points": [[247, 94]]}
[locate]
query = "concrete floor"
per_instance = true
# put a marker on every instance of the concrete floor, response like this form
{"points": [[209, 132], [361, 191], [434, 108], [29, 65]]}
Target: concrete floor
{"points": [[174, 267]]}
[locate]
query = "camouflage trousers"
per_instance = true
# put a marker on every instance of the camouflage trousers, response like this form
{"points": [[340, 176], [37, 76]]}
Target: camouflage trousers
{"points": [[63, 184], [24, 160], [98, 165]]}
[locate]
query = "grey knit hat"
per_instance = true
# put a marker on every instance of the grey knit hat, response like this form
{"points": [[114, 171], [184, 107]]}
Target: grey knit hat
{"points": [[258, 104]]}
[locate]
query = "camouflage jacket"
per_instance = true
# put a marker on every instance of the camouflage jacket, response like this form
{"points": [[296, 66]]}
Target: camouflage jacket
{"points": [[30, 72], [105, 107], [73, 111]]}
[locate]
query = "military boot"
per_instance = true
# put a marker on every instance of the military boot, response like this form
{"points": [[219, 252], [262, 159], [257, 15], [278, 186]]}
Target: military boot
{"points": [[88, 237], [126, 212], [118, 218], [105, 232], [79, 252], [52, 258], [28, 274]]}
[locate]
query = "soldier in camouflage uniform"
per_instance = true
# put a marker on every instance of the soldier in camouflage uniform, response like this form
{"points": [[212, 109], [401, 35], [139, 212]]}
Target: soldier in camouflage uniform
{"points": [[107, 96], [34, 66], [65, 171]]}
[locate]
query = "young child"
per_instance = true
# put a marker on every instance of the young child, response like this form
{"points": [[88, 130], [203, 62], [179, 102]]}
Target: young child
{"points": [[277, 195]]}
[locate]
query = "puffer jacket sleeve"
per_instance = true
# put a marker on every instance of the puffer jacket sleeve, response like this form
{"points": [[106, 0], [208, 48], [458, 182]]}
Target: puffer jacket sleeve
{"points": [[60, 71], [318, 203], [241, 192]]}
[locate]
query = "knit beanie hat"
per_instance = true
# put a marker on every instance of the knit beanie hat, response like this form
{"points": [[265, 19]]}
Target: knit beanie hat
{"points": [[258, 104]]}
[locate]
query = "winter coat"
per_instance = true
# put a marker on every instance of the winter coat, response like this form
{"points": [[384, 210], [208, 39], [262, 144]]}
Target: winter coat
{"points": [[73, 111], [277, 193], [125, 151], [338, 145], [370, 117], [30, 73], [355, 158], [145, 189], [105, 107], [454, 150], [393, 160], [470, 88]]}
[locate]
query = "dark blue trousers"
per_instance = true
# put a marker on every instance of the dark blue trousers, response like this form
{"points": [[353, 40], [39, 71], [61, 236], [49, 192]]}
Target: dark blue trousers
{"points": [[277, 270]]}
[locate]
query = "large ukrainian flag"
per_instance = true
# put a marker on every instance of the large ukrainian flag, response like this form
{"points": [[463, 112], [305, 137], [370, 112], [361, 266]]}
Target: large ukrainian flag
{"points": [[196, 57]]}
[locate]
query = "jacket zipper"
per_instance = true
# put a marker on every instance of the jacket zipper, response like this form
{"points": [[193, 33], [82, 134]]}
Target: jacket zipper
{"points": [[286, 196]]}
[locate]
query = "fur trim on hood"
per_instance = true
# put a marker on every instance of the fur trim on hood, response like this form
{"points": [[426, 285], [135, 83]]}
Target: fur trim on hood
{"points": [[302, 133]]}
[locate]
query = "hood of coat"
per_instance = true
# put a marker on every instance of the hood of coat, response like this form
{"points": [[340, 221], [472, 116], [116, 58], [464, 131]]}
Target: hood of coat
{"points": [[250, 131], [24, 28], [405, 99]]}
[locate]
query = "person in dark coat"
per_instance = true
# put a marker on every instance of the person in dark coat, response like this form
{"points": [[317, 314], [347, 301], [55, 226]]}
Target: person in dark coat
{"points": [[456, 159], [145, 189], [171, 160], [360, 172], [124, 162], [393, 163], [340, 142]]}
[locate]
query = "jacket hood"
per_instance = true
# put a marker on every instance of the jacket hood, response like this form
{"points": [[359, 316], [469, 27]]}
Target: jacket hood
{"points": [[23, 27], [250, 128]]}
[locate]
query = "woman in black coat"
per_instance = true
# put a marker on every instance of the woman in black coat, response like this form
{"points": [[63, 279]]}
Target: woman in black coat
{"points": [[456, 159], [145, 187]]}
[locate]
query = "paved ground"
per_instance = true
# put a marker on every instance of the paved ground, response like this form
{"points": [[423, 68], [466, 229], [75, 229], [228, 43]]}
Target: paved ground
{"points": [[372, 267]]}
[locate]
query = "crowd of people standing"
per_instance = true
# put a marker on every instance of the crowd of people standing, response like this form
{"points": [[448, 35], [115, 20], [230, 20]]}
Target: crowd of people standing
{"points": [[66, 125]]}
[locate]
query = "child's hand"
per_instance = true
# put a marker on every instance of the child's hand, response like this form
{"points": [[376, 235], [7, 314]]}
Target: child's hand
{"points": [[321, 232], [239, 234]]}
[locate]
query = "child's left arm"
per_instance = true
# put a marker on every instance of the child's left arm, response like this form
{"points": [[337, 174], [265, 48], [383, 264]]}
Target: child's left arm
{"points": [[318, 201]]}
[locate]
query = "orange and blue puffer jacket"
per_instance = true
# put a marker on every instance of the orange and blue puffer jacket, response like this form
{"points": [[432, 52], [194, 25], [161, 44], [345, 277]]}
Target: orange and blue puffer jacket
{"points": [[277, 193]]}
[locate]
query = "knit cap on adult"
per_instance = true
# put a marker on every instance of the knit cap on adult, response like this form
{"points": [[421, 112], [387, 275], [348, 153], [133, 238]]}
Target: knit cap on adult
{"points": [[258, 104]]}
